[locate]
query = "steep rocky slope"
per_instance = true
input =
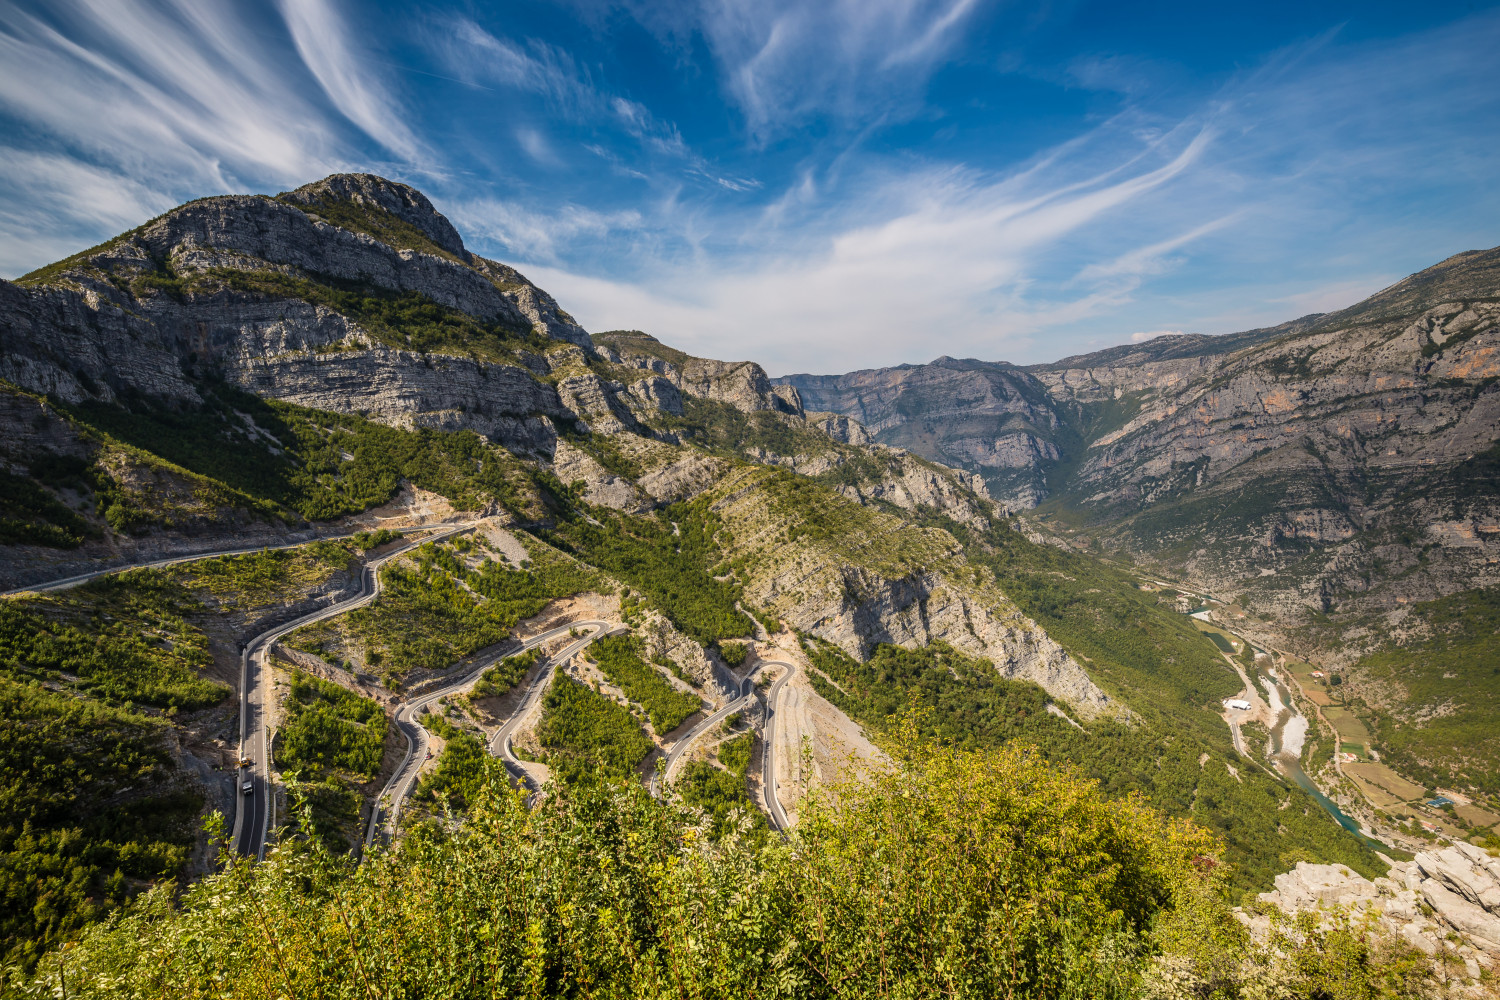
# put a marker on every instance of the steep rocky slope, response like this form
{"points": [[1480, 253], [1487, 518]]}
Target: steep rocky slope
{"points": [[246, 370], [1339, 456], [994, 419], [353, 296]]}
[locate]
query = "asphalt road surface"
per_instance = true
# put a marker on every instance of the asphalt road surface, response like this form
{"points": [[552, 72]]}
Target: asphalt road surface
{"points": [[500, 742], [663, 773], [252, 814], [388, 806], [73, 581], [768, 759]]}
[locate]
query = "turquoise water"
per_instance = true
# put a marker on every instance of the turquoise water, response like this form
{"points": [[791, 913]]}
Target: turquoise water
{"points": [[1293, 769]]}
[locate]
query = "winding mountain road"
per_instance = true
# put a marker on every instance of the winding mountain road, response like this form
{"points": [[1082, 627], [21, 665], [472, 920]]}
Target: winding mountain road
{"points": [[254, 809], [500, 743], [388, 805], [82, 578], [768, 758], [664, 772]]}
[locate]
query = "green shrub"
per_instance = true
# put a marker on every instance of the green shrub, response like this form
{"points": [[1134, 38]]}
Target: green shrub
{"points": [[733, 653], [367, 540], [954, 874], [497, 681], [327, 727], [965, 700], [588, 736], [621, 659], [87, 816], [672, 569], [121, 638]]}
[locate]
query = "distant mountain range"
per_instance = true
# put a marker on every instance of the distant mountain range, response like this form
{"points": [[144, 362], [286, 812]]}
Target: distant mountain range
{"points": [[1347, 454]]}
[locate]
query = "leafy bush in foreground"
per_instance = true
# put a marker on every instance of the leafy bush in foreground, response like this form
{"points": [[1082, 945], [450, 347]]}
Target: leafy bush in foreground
{"points": [[952, 874]]}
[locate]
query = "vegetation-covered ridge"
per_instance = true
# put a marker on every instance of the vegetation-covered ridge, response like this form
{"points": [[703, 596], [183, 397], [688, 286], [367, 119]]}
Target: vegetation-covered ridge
{"points": [[442, 602], [970, 874], [1266, 825]]}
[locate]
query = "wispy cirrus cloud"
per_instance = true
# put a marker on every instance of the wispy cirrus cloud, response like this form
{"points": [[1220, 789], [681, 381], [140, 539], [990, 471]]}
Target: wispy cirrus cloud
{"points": [[121, 108], [323, 40], [953, 260], [784, 60]]}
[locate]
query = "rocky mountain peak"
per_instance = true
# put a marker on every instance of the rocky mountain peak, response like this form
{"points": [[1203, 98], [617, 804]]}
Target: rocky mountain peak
{"points": [[374, 192]]}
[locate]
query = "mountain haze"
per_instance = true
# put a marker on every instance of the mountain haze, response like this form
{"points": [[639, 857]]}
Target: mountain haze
{"points": [[1335, 457]]}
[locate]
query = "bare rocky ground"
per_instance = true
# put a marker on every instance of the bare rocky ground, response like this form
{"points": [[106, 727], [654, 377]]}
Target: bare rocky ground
{"points": [[1446, 903], [817, 746]]}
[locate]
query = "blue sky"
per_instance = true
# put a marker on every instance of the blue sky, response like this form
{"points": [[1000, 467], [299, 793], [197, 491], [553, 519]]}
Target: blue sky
{"points": [[816, 186]]}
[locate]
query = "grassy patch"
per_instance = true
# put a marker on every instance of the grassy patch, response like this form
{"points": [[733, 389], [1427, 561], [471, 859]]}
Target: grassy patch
{"points": [[435, 609], [671, 569], [259, 579], [406, 320], [389, 229], [121, 638], [497, 681], [1455, 671]]}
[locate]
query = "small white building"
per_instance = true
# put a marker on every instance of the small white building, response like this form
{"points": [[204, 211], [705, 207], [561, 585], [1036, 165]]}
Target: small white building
{"points": [[1238, 704]]}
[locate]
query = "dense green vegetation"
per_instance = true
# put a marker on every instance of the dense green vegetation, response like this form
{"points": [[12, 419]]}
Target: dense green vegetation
{"points": [[87, 816], [435, 609], [961, 875], [671, 569], [328, 727], [1135, 648], [621, 658], [733, 653], [30, 515], [1267, 825], [120, 638], [499, 679], [332, 740], [720, 792], [312, 476], [1456, 667], [589, 737], [258, 579], [461, 768]]}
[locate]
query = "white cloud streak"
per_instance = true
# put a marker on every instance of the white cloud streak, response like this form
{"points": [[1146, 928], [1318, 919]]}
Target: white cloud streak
{"points": [[139, 104], [322, 40]]}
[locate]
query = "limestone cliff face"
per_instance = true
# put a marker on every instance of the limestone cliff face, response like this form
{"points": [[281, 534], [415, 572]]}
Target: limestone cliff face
{"points": [[993, 419], [741, 384], [151, 310], [869, 586], [1357, 443], [272, 295], [1334, 457], [913, 484]]}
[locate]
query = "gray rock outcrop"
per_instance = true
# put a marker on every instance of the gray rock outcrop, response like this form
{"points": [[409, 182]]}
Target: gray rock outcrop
{"points": [[1454, 891]]}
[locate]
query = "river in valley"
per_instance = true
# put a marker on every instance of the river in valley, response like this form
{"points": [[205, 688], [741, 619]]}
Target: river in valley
{"points": [[1287, 737]]}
